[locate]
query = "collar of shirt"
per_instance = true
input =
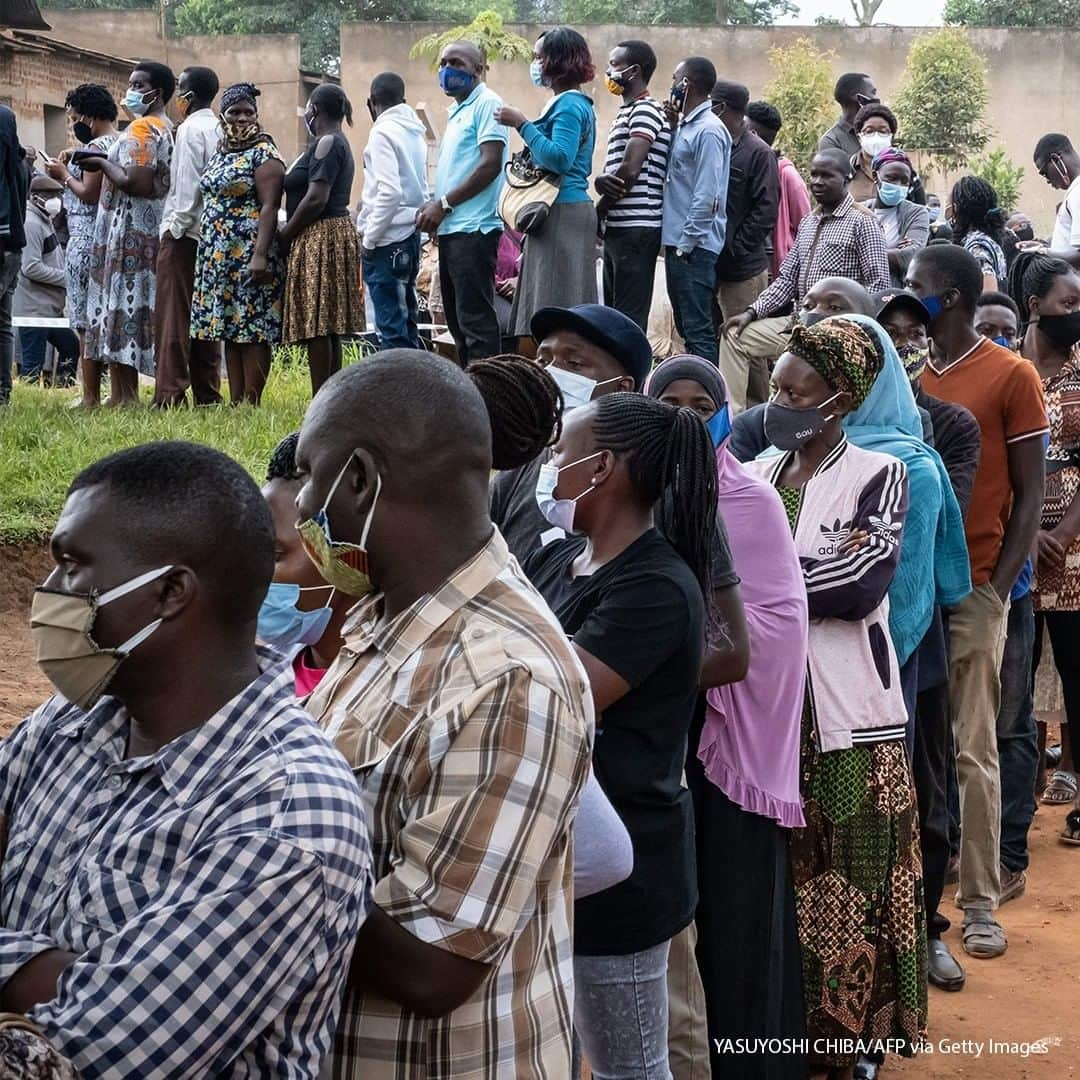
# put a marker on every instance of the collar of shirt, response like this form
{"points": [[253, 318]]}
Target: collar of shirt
{"points": [[398, 638], [193, 760], [841, 210], [474, 93], [690, 117]]}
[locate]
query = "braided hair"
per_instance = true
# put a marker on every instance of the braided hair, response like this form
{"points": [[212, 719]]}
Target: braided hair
{"points": [[671, 462], [524, 406], [1033, 274], [975, 206], [283, 460]]}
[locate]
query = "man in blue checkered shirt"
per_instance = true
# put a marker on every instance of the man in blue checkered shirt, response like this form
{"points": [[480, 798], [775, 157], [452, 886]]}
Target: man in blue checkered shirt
{"points": [[187, 862]]}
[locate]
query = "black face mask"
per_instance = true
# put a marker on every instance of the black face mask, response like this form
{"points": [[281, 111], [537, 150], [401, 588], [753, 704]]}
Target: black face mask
{"points": [[82, 131], [1062, 330], [788, 428], [810, 318], [1025, 232]]}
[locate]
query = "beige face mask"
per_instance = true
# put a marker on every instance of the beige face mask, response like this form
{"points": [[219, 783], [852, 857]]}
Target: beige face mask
{"points": [[61, 625]]}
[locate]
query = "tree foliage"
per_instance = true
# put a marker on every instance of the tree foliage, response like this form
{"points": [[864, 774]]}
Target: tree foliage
{"points": [[1003, 175], [942, 100], [802, 90], [1064, 13], [486, 31]]}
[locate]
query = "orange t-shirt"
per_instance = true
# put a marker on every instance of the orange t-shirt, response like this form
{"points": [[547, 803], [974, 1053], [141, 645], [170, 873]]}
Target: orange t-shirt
{"points": [[1004, 392]]}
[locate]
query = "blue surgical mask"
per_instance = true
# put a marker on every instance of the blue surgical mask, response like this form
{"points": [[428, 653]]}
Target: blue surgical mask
{"points": [[892, 194], [454, 81], [559, 512], [1003, 341], [577, 390], [933, 305], [935, 213], [536, 72], [719, 425], [137, 102], [282, 623]]}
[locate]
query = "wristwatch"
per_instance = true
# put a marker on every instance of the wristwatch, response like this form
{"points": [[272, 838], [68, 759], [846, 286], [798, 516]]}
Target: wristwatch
{"points": [[445, 203]]}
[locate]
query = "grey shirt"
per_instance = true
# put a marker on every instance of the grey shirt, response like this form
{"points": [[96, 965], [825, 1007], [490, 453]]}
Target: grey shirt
{"points": [[41, 290], [841, 136]]}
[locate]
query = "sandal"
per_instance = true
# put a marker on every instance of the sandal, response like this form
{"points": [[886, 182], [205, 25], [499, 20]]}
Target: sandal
{"points": [[984, 937], [1072, 825], [1061, 789]]}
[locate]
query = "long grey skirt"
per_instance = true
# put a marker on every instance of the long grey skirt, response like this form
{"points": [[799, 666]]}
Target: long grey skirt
{"points": [[558, 267]]}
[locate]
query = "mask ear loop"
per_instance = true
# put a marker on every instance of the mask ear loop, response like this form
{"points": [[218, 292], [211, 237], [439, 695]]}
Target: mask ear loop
{"points": [[371, 512], [826, 402], [132, 585]]}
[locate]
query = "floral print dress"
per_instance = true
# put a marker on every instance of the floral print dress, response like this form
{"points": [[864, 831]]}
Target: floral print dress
{"points": [[123, 258], [225, 307]]}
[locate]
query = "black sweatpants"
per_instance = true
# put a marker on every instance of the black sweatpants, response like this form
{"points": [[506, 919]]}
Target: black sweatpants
{"points": [[629, 269], [467, 279]]}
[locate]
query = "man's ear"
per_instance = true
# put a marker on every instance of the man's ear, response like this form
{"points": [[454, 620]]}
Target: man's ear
{"points": [[363, 480], [177, 590]]}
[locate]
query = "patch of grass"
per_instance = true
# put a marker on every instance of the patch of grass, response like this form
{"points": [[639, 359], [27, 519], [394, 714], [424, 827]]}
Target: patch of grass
{"points": [[44, 442]]}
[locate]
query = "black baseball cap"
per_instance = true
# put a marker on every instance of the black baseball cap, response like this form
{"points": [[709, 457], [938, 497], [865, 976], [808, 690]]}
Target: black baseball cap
{"points": [[606, 328], [893, 299]]}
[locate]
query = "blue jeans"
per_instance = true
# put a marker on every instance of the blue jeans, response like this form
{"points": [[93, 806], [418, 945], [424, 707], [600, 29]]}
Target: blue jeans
{"points": [[1017, 736], [390, 279], [621, 1014], [10, 262], [32, 342], [691, 283]]}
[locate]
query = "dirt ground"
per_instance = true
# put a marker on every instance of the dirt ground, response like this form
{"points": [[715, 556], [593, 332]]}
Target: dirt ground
{"points": [[1030, 994]]}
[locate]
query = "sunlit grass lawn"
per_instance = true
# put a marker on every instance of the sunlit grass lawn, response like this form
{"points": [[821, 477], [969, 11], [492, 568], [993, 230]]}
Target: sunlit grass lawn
{"points": [[44, 442]]}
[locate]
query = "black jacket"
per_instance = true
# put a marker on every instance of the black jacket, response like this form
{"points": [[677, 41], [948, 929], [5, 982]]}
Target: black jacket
{"points": [[753, 199]]}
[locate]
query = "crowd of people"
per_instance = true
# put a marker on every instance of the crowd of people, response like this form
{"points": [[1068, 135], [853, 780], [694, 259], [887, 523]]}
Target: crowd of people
{"points": [[584, 706]]}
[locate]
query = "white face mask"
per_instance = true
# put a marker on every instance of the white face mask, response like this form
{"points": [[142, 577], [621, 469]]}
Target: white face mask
{"points": [[559, 512], [576, 389], [873, 144], [53, 206]]}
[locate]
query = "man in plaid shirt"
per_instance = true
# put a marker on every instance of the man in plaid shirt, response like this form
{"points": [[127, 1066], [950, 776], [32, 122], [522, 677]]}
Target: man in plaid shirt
{"points": [[839, 239], [187, 863]]}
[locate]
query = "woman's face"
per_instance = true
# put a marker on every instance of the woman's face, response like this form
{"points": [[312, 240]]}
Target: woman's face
{"points": [[140, 80], [1062, 299], [799, 386], [575, 454], [690, 394], [876, 125], [895, 172], [291, 564], [241, 111]]}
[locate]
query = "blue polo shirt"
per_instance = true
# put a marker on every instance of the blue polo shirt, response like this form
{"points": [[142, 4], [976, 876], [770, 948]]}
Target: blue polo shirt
{"points": [[471, 123]]}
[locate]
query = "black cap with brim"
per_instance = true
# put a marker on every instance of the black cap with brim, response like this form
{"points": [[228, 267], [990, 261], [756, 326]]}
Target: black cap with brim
{"points": [[901, 299], [606, 328]]}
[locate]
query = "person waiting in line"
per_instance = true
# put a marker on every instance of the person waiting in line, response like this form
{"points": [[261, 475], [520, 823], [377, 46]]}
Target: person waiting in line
{"points": [[507, 271], [632, 482], [753, 196], [1003, 393], [978, 225], [123, 260], [1058, 164], [173, 781], [877, 127], [840, 238], [695, 203], [743, 762], [472, 868], [847, 507], [1048, 291], [998, 318], [41, 292], [322, 286], [794, 202], [395, 189], [465, 209], [92, 112], [853, 91], [631, 187], [589, 351], [181, 359], [1019, 224], [906, 224], [239, 270], [558, 268], [14, 182]]}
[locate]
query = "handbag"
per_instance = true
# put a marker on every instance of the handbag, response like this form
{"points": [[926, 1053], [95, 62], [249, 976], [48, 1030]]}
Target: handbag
{"points": [[528, 193]]}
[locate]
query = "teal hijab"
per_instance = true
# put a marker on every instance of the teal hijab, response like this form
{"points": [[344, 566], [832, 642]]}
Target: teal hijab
{"points": [[934, 566]]}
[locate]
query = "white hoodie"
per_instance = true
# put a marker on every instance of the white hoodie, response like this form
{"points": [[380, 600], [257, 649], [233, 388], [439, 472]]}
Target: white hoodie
{"points": [[395, 178]]}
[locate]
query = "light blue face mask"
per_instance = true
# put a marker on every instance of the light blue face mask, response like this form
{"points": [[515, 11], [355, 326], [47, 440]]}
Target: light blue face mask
{"points": [[282, 623], [137, 102], [536, 72], [892, 194]]}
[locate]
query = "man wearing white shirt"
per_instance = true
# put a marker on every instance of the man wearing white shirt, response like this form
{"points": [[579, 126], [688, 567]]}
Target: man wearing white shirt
{"points": [[1059, 165], [181, 362]]}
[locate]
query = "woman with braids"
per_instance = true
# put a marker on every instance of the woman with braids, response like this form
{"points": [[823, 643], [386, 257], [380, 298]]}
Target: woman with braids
{"points": [[1047, 291], [857, 865], [632, 482], [239, 273], [743, 764], [978, 225]]}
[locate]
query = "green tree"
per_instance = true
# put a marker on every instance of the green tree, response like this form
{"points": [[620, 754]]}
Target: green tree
{"points": [[1064, 13], [1003, 175], [828, 20], [675, 12], [802, 89], [486, 31], [942, 100]]}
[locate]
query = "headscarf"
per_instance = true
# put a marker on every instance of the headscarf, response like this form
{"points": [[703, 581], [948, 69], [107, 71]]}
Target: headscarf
{"points": [[750, 741], [889, 155], [934, 567], [843, 354], [241, 91], [237, 135]]}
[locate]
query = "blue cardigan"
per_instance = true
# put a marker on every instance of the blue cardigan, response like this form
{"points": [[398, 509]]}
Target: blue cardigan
{"points": [[562, 140]]}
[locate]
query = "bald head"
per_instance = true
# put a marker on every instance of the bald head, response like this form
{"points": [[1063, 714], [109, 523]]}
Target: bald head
{"points": [[465, 56], [838, 296]]}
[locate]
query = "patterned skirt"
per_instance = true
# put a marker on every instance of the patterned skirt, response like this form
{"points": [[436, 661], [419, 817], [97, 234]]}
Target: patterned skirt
{"points": [[322, 288], [859, 895], [1057, 588]]}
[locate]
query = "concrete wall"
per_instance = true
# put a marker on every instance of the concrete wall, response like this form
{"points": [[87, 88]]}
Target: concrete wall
{"points": [[1034, 76], [270, 61]]}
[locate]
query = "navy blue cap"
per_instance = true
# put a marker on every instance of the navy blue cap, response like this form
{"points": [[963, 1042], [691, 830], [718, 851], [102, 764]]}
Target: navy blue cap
{"points": [[606, 328], [901, 298]]}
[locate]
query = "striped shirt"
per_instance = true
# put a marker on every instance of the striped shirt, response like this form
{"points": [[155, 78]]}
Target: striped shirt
{"points": [[848, 242], [642, 207], [212, 891], [468, 722]]}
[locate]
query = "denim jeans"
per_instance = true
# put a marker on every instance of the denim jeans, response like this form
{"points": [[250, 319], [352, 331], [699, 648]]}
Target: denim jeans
{"points": [[390, 279], [621, 1014], [32, 342], [629, 270], [1017, 736], [691, 283], [9, 278]]}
